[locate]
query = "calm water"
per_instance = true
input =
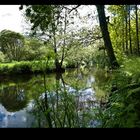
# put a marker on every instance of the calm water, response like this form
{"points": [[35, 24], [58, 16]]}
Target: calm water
{"points": [[53, 100]]}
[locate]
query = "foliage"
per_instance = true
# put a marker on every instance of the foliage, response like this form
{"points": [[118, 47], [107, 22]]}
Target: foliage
{"points": [[2, 57], [119, 29], [56, 41], [122, 109], [56, 107], [11, 44], [35, 49], [25, 67], [41, 15]]}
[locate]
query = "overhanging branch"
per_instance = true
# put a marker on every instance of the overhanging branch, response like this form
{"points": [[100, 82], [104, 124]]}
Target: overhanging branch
{"points": [[74, 8]]}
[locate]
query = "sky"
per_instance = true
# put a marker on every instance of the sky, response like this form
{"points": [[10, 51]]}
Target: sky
{"points": [[11, 18]]}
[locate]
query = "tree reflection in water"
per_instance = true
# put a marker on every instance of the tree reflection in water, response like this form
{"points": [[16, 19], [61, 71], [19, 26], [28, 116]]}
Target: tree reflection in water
{"points": [[13, 101], [63, 105], [54, 100], [13, 98]]}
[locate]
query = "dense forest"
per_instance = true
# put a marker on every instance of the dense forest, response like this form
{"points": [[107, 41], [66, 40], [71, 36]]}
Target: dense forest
{"points": [[58, 38]]}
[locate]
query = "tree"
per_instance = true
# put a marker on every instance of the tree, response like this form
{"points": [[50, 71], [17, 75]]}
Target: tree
{"points": [[2, 57], [137, 28], [45, 20], [126, 29], [123, 28], [11, 44], [52, 23], [106, 37], [34, 49], [130, 40]]}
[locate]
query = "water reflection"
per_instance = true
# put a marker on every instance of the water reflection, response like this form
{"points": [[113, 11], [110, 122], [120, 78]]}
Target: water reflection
{"points": [[55, 100], [64, 105], [14, 119], [14, 103], [13, 98]]}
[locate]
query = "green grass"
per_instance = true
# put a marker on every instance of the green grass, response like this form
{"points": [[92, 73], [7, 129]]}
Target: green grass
{"points": [[26, 67], [30, 67]]}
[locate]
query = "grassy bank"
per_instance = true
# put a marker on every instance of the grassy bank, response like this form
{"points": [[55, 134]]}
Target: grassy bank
{"points": [[32, 67], [26, 67]]}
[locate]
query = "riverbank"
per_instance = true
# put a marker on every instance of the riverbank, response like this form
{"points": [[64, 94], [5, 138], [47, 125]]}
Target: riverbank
{"points": [[123, 88], [27, 67]]}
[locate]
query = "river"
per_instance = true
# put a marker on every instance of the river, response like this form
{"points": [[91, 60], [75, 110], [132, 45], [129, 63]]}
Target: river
{"points": [[52, 100]]}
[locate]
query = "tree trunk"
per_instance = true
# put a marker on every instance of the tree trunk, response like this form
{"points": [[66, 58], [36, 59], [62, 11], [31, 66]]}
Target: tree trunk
{"points": [[123, 38], [57, 64], [106, 37], [64, 41], [126, 33], [123, 30], [130, 41], [137, 28]]}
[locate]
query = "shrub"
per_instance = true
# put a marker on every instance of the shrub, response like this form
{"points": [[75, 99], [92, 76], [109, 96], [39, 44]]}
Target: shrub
{"points": [[123, 107], [23, 67], [2, 57]]}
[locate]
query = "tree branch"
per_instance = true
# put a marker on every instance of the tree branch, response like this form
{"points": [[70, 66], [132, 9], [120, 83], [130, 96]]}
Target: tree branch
{"points": [[74, 8]]}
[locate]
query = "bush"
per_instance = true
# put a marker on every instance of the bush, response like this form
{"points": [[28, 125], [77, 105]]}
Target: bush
{"points": [[123, 107], [23, 67], [2, 57], [4, 69], [27, 67]]}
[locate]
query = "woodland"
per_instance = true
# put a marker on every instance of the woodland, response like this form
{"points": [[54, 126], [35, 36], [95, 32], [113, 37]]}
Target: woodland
{"points": [[106, 40]]}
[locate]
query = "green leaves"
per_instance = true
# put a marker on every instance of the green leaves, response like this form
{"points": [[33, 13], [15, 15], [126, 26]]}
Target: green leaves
{"points": [[41, 16], [2, 57], [11, 44]]}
